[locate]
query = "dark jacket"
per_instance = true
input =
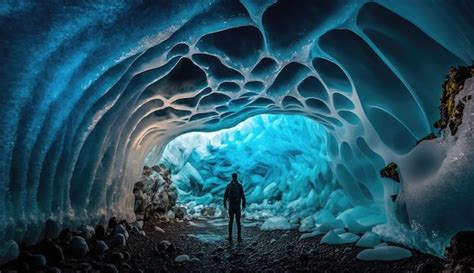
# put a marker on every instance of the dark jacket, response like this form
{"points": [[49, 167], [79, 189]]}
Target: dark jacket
{"points": [[234, 204]]}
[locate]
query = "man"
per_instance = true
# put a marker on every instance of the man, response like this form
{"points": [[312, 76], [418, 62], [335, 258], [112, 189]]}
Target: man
{"points": [[234, 193]]}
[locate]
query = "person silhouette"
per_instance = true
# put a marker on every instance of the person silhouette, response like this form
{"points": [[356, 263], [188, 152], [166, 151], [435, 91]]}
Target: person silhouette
{"points": [[234, 195]]}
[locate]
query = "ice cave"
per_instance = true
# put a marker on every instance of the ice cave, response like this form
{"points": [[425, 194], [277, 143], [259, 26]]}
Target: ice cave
{"points": [[349, 123]]}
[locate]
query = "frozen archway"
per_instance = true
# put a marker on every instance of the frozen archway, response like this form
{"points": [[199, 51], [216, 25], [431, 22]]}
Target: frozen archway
{"points": [[89, 90]]}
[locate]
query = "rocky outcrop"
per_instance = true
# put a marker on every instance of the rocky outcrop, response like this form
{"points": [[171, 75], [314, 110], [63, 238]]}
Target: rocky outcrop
{"points": [[427, 137], [390, 171], [155, 194], [452, 107], [461, 252]]}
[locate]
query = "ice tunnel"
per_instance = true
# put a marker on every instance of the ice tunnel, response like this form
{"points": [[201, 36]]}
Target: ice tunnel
{"points": [[90, 91]]}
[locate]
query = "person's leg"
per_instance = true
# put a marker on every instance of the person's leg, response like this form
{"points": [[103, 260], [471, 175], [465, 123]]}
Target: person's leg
{"points": [[237, 219], [231, 221]]}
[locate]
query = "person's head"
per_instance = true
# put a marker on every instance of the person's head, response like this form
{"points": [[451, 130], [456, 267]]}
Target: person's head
{"points": [[234, 177]]}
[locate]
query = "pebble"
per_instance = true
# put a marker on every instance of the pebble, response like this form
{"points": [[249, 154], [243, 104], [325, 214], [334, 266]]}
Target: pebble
{"points": [[53, 270], [79, 246], [101, 247], [116, 257], [53, 253], [37, 261], [216, 258], [120, 229], [109, 268], [181, 258], [157, 228], [119, 240]]}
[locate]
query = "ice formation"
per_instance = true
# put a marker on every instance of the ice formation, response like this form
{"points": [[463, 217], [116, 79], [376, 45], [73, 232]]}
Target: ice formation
{"points": [[88, 90], [384, 253]]}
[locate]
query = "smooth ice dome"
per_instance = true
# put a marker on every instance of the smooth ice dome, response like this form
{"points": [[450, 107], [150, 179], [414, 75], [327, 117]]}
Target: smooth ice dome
{"points": [[90, 93], [384, 253]]}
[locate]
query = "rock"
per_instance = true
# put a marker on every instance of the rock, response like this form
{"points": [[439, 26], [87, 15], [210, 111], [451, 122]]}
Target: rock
{"points": [[120, 229], [37, 261], [461, 252], [109, 268], [216, 258], [142, 233], [195, 260], [164, 245], [159, 229], [461, 246], [116, 257], [65, 235], [171, 215], [390, 171], [135, 229], [119, 240], [79, 246], [126, 266], [101, 247], [428, 267], [87, 231], [24, 267], [53, 270], [52, 229], [208, 211], [452, 114], [126, 256], [112, 223], [347, 250], [100, 232], [179, 212], [85, 267], [54, 254], [427, 137], [171, 248], [272, 240], [181, 258]]}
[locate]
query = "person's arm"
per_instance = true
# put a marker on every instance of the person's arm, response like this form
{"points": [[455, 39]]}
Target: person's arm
{"points": [[225, 196], [242, 193]]}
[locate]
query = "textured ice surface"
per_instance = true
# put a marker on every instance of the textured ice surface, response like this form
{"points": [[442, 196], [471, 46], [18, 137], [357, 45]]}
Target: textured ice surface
{"points": [[335, 238], [384, 253], [369, 239], [275, 223], [89, 90]]}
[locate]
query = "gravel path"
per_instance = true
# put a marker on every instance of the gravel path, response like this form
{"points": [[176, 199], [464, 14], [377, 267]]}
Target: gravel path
{"points": [[260, 251]]}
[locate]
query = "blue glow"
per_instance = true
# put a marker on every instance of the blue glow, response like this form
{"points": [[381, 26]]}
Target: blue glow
{"points": [[90, 92], [279, 159]]}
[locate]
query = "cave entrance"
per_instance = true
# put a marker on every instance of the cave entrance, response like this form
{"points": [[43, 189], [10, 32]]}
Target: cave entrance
{"points": [[281, 161]]}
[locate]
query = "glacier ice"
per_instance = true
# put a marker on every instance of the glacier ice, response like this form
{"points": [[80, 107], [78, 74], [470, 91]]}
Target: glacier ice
{"points": [[369, 239], [88, 96], [384, 253], [276, 223]]}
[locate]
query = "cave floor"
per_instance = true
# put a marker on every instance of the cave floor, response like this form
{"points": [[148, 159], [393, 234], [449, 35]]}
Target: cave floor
{"points": [[258, 252]]}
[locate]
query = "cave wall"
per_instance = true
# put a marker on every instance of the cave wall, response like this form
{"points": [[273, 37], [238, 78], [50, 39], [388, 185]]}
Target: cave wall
{"points": [[89, 89]]}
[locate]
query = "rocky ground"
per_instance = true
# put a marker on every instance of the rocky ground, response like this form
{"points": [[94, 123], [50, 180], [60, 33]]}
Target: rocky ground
{"points": [[200, 246], [269, 251]]}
